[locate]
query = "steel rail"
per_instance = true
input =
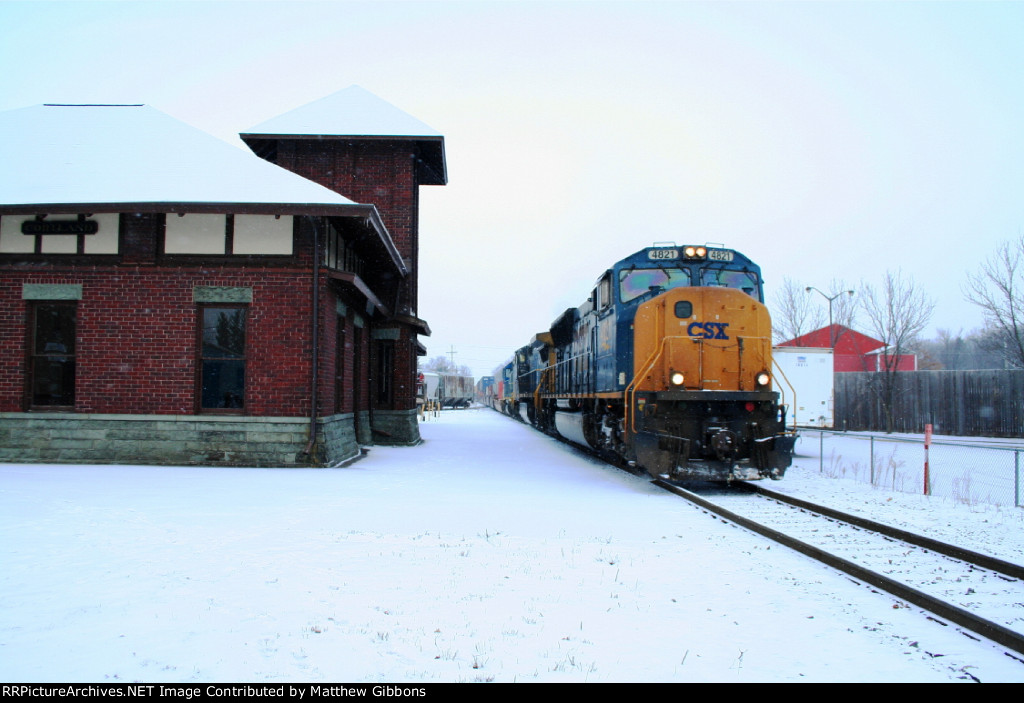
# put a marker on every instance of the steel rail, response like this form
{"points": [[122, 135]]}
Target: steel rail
{"points": [[965, 619], [978, 559]]}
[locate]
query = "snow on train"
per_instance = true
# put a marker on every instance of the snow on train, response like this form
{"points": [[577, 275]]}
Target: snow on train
{"points": [[667, 366]]}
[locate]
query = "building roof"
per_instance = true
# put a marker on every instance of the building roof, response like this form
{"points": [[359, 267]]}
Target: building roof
{"points": [[134, 158], [356, 114], [850, 349], [843, 339], [114, 155]]}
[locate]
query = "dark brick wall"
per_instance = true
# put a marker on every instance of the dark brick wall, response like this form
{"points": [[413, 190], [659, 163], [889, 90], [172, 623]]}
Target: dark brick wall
{"points": [[378, 172], [137, 330], [12, 343], [137, 338], [382, 172]]}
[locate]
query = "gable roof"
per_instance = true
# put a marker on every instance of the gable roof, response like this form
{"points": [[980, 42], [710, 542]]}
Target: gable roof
{"points": [[355, 113], [846, 340], [134, 158], [66, 155]]}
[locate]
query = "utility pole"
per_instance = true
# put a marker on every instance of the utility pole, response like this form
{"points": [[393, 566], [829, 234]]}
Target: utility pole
{"points": [[831, 332]]}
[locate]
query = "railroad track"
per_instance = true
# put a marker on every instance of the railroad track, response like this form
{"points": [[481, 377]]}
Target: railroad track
{"points": [[982, 595]]}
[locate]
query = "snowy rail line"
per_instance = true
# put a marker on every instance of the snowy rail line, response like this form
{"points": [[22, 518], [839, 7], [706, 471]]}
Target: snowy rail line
{"points": [[981, 594]]}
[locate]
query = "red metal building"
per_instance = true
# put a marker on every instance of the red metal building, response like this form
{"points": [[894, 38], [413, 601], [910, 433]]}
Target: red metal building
{"points": [[852, 351]]}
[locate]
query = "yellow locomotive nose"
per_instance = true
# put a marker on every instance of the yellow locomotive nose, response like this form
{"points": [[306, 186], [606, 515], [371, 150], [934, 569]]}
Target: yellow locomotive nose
{"points": [[702, 339], [701, 404]]}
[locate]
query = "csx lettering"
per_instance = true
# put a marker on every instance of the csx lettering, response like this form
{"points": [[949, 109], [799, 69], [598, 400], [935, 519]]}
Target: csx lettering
{"points": [[708, 330]]}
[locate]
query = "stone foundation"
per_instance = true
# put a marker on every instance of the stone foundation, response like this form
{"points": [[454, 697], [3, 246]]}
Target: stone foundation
{"points": [[396, 427], [178, 440]]}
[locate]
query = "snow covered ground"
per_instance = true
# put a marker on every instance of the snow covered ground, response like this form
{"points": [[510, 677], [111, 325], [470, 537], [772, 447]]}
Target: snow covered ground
{"points": [[488, 553]]}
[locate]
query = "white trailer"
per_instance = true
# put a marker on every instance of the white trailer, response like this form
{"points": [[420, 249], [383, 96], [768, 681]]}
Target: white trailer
{"points": [[809, 371], [428, 389]]}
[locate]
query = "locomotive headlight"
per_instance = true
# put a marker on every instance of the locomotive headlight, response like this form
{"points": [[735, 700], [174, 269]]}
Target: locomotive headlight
{"points": [[676, 378], [763, 378]]}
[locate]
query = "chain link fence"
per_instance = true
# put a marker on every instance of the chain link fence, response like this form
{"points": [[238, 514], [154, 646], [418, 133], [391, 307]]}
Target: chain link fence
{"points": [[966, 471]]}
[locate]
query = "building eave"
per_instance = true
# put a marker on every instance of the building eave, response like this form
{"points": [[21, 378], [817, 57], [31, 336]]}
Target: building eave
{"points": [[367, 213], [418, 325], [357, 284], [263, 208], [434, 167]]}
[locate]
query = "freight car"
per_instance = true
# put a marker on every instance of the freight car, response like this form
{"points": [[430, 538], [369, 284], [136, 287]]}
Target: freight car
{"points": [[427, 390], [444, 390], [455, 391], [485, 389], [505, 397], [667, 366]]}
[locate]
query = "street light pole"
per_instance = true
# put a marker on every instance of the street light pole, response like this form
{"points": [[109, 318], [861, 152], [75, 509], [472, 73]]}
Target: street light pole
{"points": [[831, 332]]}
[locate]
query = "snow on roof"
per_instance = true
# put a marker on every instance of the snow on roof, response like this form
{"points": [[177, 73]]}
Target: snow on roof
{"points": [[356, 113], [352, 112], [119, 154]]}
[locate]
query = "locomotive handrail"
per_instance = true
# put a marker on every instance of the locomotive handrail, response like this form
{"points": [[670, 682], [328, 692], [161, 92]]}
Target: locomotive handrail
{"points": [[543, 380], [629, 394], [782, 392], [635, 382]]}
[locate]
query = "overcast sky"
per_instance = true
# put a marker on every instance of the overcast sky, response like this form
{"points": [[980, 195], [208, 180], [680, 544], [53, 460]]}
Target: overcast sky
{"points": [[824, 140]]}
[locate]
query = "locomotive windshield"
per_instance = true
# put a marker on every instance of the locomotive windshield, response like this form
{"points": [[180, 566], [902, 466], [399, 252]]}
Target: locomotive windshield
{"points": [[745, 281], [635, 282]]}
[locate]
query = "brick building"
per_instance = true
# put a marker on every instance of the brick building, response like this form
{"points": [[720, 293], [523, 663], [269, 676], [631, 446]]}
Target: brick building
{"points": [[168, 298]]}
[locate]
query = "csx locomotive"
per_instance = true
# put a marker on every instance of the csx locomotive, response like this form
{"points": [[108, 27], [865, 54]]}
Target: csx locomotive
{"points": [[668, 366]]}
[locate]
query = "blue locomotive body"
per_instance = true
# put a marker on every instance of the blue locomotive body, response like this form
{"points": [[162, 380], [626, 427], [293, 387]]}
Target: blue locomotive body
{"points": [[667, 365]]}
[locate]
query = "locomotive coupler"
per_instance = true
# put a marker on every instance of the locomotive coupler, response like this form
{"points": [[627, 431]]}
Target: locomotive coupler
{"points": [[725, 443]]}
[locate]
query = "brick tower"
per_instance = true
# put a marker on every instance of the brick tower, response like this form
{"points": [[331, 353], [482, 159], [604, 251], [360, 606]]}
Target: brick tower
{"points": [[371, 152]]}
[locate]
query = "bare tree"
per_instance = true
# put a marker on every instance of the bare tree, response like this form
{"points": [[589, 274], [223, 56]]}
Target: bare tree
{"points": [[998, 289], [896, 312], [440, 364], [979, 349], [793, 312], [950, 348]]}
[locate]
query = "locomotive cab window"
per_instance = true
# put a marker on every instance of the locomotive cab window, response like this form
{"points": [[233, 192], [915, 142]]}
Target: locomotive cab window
{"points": [[634, 283], [745, 281], [604, 292]]}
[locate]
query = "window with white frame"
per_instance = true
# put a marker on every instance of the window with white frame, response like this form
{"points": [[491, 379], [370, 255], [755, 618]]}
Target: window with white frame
{"points": [[218, 235]]}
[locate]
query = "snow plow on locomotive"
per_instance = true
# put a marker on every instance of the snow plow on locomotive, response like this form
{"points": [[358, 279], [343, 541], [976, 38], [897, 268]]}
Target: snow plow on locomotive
{"points": [[668, 366]]}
